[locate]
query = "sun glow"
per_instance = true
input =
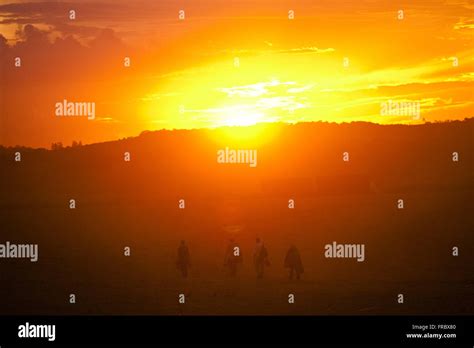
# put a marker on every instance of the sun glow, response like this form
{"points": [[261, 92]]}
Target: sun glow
{"points": [[219, 95], [242, 118], [316, 88]]}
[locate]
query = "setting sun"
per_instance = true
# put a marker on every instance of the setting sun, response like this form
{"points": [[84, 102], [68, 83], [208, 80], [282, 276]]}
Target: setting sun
{"points": [[239, 117]]}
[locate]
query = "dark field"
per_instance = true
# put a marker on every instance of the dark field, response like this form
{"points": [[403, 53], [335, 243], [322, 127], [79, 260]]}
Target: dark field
{"points": [[135, 204]]}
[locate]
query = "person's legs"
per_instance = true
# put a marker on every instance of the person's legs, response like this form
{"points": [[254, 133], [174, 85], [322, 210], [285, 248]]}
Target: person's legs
{"points": [[260, 270], [291, 272]]}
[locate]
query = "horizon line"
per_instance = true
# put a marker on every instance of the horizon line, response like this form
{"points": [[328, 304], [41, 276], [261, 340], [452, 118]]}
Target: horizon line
{"points": [[258, 124]]}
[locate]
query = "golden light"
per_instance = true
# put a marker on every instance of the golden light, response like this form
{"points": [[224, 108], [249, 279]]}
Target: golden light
{"points": [[251, 136], [241, 118], [237, 113]]}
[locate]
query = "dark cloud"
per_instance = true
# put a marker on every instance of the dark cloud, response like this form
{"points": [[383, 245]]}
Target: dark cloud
{"points": [[54, 69], [33, 12], [32, 34], [55, 15], [53, 54]]}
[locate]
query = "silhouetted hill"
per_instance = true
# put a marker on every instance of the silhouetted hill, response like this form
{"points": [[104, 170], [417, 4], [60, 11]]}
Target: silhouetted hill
{"points": [[301, 159]]}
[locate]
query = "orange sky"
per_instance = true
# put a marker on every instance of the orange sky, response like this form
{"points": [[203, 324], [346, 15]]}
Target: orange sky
{"points": [[229, 63]]}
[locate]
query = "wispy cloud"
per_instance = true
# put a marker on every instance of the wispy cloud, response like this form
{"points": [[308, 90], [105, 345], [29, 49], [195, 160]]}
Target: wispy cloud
{"points": [[464, 24], [305, 50], [253, 90]]}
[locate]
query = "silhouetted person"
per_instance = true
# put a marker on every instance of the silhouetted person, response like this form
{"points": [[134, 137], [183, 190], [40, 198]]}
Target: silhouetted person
{"points": [[260, 258], [293, 262], [232, 258], [183, 262]]}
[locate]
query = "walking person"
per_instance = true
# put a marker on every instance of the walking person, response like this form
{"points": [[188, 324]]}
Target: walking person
{"points": [[260, 258], [293, 262], [183, 261], [232, 258]]}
